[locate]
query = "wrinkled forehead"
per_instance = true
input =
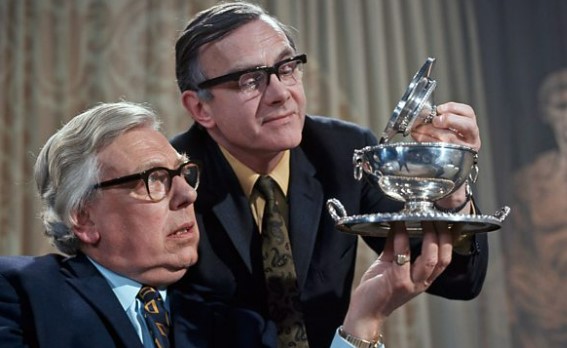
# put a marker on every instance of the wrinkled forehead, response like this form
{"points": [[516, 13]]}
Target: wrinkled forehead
{"points": [[138, 149]]}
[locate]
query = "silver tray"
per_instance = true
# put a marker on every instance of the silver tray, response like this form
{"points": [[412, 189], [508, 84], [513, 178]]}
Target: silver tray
{"points": [[378, 225]]}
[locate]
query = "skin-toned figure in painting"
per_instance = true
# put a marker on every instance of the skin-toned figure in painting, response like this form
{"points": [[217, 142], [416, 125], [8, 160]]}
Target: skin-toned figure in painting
{"points": [[537, 301]]}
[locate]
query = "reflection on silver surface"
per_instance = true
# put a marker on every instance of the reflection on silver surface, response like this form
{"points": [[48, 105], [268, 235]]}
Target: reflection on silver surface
{"points": [[416, 105], [415, 173]]}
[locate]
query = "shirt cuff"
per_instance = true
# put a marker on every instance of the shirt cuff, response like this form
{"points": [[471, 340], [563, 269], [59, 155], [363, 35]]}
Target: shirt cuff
{"points": [[339, 342]]}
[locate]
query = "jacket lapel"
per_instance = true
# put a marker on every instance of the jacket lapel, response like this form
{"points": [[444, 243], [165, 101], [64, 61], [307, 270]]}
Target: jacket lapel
{"points": [[88, 282], [234, 214], [305, 207], [221, 193]]}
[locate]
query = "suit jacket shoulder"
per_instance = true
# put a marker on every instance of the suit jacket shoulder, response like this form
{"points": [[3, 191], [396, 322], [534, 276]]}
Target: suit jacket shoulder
{"points": [[54, 301]]}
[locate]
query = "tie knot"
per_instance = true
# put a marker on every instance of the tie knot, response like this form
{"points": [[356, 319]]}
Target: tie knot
{"points": [[155, 315], [148, 294], [266, 186]]}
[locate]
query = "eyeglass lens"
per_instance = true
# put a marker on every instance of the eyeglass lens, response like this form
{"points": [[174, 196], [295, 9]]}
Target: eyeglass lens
{"points": [[159, 181], [288, 73]]}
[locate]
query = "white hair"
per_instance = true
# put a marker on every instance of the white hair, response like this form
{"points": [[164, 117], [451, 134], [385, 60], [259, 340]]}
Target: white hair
{"points": [[67, 166]]}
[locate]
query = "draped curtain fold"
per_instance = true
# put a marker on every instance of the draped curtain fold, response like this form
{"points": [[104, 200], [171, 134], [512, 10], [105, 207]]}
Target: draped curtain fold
{"points": [[58, 58]]}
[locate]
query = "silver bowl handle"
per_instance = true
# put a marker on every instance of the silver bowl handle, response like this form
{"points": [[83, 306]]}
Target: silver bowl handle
{"points": [[357, 161], [502, 213], [336, 209]]}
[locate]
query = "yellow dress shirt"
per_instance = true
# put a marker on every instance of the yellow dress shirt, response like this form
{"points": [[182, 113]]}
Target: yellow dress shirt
{"points": [[247, 179]]}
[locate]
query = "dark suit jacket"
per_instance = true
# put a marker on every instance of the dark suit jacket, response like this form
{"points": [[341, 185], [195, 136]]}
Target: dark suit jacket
{"points": [[53, 301], [229, 268]]}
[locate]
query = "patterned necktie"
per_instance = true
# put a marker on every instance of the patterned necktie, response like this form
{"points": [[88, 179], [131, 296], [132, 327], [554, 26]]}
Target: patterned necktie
{"points": [[156, 316], [279, 270]]}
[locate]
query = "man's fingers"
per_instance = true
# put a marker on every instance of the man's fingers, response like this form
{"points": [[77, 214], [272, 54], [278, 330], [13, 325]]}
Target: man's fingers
{"points": [[425, 263]]}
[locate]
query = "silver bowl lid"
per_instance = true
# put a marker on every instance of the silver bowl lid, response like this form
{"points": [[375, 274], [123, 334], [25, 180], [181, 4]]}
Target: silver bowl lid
{"points": [[415, 105]]}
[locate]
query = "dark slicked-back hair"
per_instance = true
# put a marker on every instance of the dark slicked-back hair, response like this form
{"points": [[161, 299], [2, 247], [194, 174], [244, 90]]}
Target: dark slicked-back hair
{"points": [[209, 26]]}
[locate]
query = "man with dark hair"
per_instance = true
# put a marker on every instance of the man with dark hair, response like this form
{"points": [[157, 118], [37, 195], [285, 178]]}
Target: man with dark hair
{"points": [[241, 81]]}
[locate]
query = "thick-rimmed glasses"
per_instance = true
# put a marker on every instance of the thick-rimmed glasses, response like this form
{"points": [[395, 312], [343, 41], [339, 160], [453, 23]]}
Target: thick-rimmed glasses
{"points": [[289, 71], [158, 180]]}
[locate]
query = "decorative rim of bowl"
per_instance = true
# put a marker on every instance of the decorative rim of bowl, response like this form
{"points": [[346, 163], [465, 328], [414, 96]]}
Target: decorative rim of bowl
{"points": [[418, 144]]}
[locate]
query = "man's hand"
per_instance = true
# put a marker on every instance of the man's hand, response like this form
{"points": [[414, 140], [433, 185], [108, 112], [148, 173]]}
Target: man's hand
{"points": [[455, 123], [392, 280]]}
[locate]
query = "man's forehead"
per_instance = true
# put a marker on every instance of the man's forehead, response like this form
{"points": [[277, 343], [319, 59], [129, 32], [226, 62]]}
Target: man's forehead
{"points": [[240, 49], [266, 28], [138, 149]]}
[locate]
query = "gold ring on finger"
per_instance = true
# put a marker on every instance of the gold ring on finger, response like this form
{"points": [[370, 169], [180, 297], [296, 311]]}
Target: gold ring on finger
{"points": [[401, 259]]}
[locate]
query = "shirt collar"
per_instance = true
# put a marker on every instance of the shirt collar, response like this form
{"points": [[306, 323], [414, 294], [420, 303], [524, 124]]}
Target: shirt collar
{"points": [[124, 288], [247, 177]]}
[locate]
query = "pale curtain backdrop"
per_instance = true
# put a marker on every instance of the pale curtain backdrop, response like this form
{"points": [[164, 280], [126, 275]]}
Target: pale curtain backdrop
{"points": [[59, 57]]}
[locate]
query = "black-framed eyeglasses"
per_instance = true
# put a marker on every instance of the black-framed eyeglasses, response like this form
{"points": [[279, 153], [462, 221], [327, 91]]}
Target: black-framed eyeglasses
{"points": [[158, 179], [289, 71]]}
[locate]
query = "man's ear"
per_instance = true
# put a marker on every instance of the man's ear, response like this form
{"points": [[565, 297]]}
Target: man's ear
{"points": [[84, 227], [199, 110]]}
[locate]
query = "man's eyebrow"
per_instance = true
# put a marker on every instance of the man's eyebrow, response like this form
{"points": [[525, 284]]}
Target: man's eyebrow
{"points": [[157, 164], [287, 52]]}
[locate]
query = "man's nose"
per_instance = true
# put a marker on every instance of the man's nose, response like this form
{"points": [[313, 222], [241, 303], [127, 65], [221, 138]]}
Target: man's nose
{"points": [[182, 193]]}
